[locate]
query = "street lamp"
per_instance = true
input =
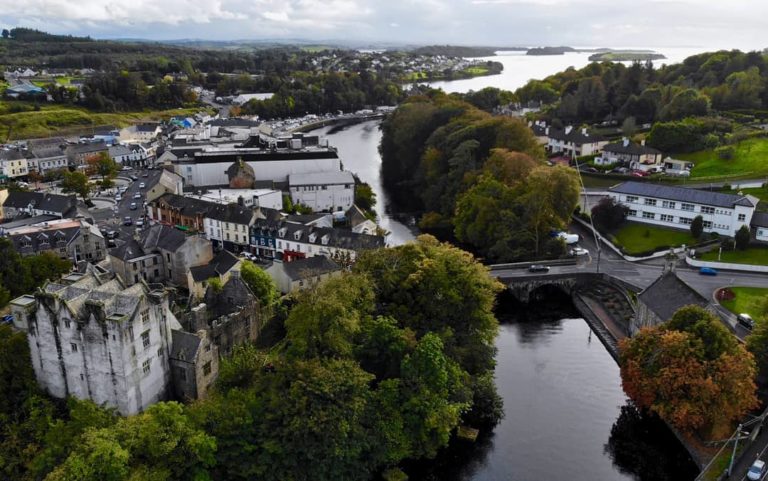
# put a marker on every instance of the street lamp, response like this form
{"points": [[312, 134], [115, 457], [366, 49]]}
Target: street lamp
{"points": [[739, 433]]}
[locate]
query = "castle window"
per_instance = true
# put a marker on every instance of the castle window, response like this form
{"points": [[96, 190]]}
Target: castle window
{"points": [[207, 368], [67, 324], [145, 315], [73, 346], [145, 339], [146, 366]]}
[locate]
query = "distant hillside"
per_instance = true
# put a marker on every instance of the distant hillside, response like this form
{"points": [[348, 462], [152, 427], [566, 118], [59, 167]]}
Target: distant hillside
{"points": [[456, 51], [550, 50], [32, 35], [625, 56]]}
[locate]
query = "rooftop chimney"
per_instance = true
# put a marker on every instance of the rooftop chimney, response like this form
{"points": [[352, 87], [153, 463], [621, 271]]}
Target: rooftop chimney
{"points": [[568, 129]]}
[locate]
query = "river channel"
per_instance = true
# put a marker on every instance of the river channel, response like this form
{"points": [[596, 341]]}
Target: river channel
{"points": [[566, 416]]}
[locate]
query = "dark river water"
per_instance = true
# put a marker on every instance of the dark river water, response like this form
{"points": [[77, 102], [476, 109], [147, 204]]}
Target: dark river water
{"points": [[566, 416]]}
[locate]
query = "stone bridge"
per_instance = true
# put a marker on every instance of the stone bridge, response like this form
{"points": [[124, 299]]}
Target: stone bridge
{"points": [[524, 287]]}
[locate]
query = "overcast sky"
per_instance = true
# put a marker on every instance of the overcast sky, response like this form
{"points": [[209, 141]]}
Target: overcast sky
{"points": [[611, 23]]}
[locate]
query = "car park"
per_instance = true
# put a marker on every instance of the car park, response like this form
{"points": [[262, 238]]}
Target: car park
{"points": [[745, 320], [538, 268], [756, 471], [134, 206], [707, 271], [128, 220]]}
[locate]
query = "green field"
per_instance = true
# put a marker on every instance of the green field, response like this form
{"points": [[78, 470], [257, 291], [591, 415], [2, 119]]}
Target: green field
{"points": [[66, 119], [636, 238], [754, 255], [476, 71], [750, 158], [416, 76], [750, 300]]}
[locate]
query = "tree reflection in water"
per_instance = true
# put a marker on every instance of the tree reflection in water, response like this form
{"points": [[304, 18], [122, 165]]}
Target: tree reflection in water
{"points": [[642, 445]]}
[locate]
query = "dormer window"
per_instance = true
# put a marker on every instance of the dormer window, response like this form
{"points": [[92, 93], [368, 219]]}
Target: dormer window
{"points": [[325, 239], [297, 235], [281, 232], [312, 237]]}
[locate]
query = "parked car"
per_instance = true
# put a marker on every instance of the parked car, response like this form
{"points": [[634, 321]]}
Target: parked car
{"points": [[707, 271], [248, 256], [579, 251], [756, 471], [7, 319], [128, 220], [145, 174], [112, 234], [142, 185], [134, 206], [140, 223], [118, 198], [133, 177], [746, 321], [111, 243], [639, 173], [538, 268]]}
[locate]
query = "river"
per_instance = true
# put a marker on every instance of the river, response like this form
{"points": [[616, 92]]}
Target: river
{"points": [[566, 416]]}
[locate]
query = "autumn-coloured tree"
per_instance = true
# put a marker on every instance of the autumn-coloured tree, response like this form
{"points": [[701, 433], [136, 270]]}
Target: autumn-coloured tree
{"points": [[690, 371]]}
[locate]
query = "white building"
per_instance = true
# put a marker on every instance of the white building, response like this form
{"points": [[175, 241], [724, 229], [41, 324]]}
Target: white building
{"points": [[92, 338], [12, 164], [270, 198], [760, 226], [228, 226], [676, 207], [323, 191], [574, 142], [634, 156], [245, 98]]}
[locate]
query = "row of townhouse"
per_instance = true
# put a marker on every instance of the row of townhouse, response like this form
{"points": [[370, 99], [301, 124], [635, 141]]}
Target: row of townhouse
{"points": [[676, 207], [261, 231]]}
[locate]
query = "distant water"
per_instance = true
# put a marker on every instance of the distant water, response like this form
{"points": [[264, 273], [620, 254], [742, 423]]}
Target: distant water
{"points": [[519, 68]]}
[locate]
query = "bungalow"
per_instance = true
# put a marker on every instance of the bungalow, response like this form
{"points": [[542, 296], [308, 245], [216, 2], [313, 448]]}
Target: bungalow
{"points": [[676, 207], [632, 155], [301, 273]]}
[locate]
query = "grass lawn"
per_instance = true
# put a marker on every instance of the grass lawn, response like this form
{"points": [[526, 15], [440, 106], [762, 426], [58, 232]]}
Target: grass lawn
{"points": [[638, 238], [475, 71], [749, 300], [416, 76], [748, 159], [67, 119], [754, 255]]}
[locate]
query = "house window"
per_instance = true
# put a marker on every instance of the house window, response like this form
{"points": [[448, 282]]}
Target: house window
{"points": [[631, 199], [145, 315], [668, 204], [651, 202], [649, 215], [632, 213], [707, 210], [707, 224], [742, 217], [145, 339], [73, 347], [207, 368], [146, 366], [685, 220], [67, 324], [667, 218], [687, 207]]}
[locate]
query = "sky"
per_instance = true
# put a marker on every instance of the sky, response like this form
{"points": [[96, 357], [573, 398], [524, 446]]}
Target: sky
{"points": [[613, 23]]}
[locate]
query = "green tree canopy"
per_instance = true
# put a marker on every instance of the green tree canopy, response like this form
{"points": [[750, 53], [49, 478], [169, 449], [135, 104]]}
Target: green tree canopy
{"points": [[260, 283]]}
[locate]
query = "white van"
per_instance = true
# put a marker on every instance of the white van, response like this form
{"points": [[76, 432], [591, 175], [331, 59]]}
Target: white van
{"points": [[568, 238]]}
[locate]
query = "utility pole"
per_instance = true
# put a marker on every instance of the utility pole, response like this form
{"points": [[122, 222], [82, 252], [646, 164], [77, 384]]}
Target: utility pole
{"points": [[735, 445]]}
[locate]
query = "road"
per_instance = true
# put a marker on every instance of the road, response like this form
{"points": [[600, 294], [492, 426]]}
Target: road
{"points": [[114, 219]]}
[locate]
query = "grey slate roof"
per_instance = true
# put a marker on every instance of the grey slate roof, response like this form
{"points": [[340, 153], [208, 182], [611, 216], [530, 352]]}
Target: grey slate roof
{"points": [[162, 237], [237, 214], [184, 346], [44, 240], [88, 148], [10, 154], [694, 196], [339, 238], [129, 250], [760, 219], [146, 127], [219, 265], [669, 293], [631, 148], [309, 267], [575, 136], [62, 204], [188, 206]]}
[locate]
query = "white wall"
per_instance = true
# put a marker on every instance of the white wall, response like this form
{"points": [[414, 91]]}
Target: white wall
{"points": [[274, 170], [333, 197]]}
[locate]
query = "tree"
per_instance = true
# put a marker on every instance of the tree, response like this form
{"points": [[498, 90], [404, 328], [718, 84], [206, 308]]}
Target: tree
{"points": [[743, 237], [46, 266], [17, 380], [757, 340], [365, 197], [697, 226], [629, 127], [6, 33], [260, 283], [105, 166], [76, 182], [690, 371], [609, 213]]}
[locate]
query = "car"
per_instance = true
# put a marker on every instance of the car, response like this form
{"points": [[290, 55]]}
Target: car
{"points": [[756, 471], [128, 220], [579, 251], [133, 177], [7, 319], [145, 174], [137, 195], [568, 238], [118, 198], [111, 243], [112, 234], [746, 321], [134, 206], [142, 185], [123, 189], [707, 271], [538, 268], [140, 223]]}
